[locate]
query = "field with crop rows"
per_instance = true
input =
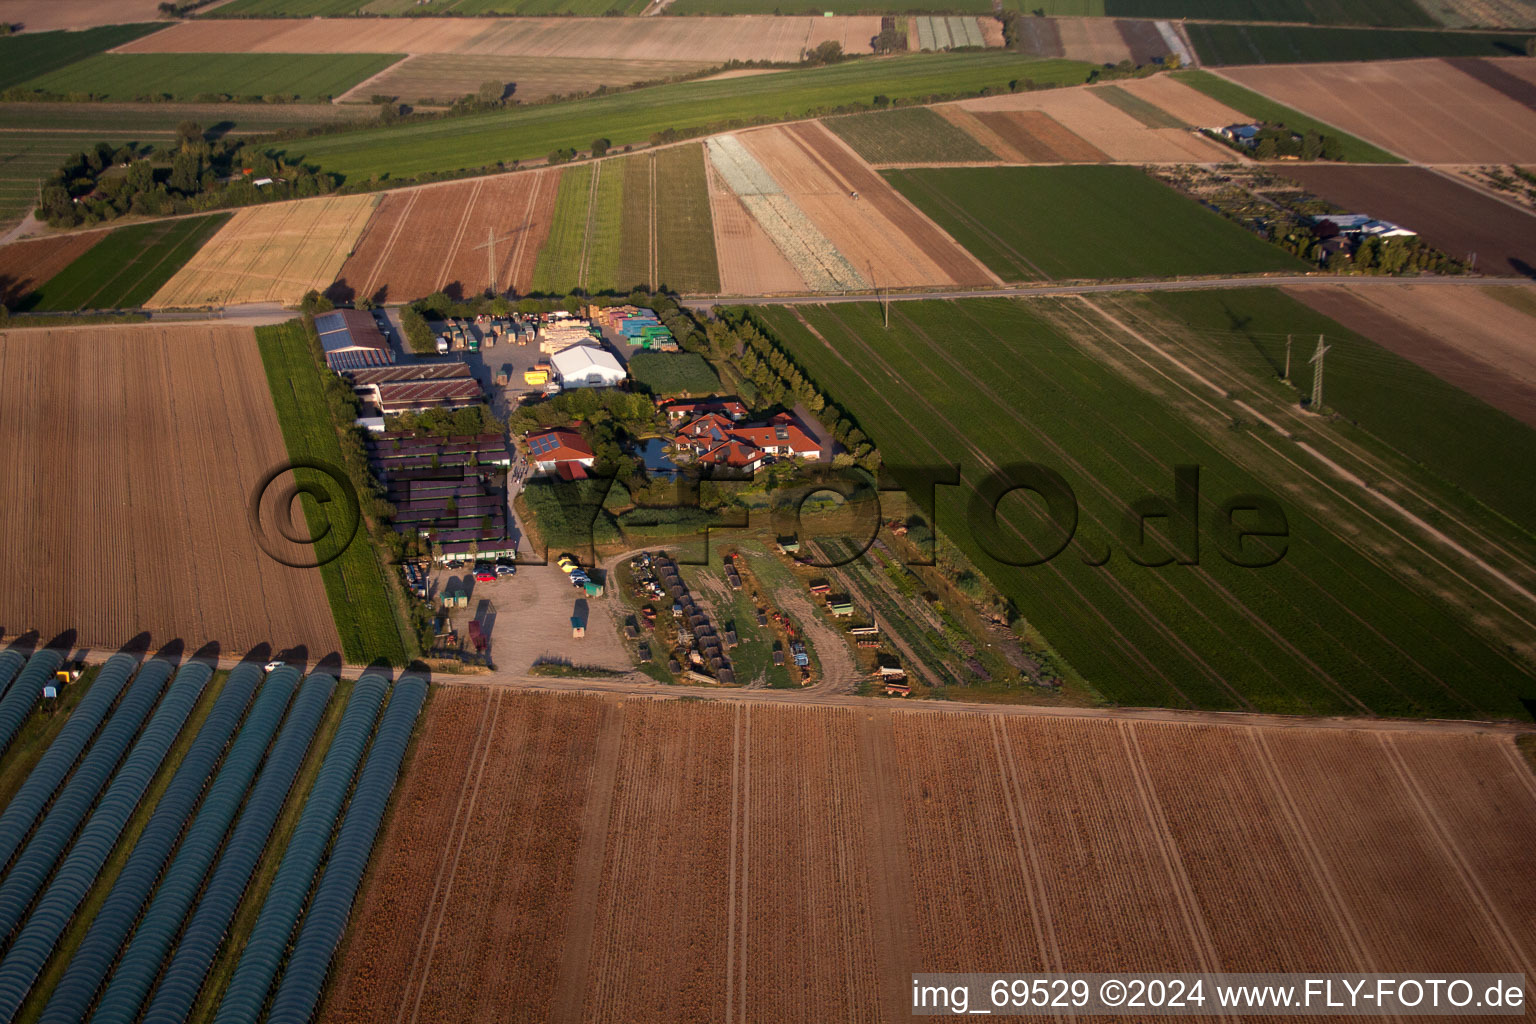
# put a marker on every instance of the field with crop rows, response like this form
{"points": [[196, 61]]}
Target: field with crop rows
{"points": [[1296, 44], [562, 858], [1481, 451], [25, 265], [444, 77], [1071, 222], [355, 583], [982, 383], [177, 757], [531, 132], [38, 53], [630, 221], [458, 238], [1430, 111], [668, 373], [1325, 12], [711, 40], [909, 135], [127, 267], [1478, 339], [270, 254], [189, 76], [1076, 126], [1262, 108], [526, 8], [134, 497]]}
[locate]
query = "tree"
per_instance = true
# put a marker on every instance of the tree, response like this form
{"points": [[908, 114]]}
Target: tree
{"points": [[189, 132], [829, 52], [314, 302], [186, 172], [492, 91], [599, 146]]}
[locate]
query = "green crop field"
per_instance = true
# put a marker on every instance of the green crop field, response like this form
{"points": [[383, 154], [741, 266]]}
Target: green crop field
{"points": [[633, 117], [605, 227], [354, 581], [634, 266], [1295, 44], [559, 262], [1261, 108], [1321, 12], [1477, 449], [187, 76], [315, 8], [685, 234], [36, 138], [1084, 222], [818, 7], [1148, 114], [910, 135], [128, 266], [674, 373], [1329, 628], [37, 53]]}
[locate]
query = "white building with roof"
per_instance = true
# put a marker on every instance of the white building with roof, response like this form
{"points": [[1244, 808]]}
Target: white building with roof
{"points": [[586, 366]]}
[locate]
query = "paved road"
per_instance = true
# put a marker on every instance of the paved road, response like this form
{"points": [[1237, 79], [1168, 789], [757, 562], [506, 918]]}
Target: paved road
{"points": [[1088, 288], [637, 685]]}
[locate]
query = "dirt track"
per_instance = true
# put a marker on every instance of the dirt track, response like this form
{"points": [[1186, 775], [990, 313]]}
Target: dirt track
{"points": [[133, 454], [600, 858]]}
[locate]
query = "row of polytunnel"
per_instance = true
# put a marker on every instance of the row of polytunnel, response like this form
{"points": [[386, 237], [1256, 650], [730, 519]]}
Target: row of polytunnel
{"points": [[152, 942]]}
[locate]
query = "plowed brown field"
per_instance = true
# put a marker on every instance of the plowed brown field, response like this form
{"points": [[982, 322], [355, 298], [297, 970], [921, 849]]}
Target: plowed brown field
{"points": [[1038, 138], [25, 265], [672, 860], [270, 254], [1463, 335], [879, 229], [1449, 215], [132, 453], [52, 15], [750, 264], [1425, 110], [452, 238], [1188, 105], [713, 40], [1105, 128]]}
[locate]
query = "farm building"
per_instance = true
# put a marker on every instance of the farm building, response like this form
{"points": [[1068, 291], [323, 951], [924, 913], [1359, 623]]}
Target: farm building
{"points": [[1359, 226], [717, 440], [351, 340], [407, 371], [416, 395], [679, 412], [560, 450], [586, 366]]}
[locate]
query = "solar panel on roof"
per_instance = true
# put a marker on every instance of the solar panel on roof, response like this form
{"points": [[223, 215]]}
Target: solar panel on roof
{"points": [[544, 445]]}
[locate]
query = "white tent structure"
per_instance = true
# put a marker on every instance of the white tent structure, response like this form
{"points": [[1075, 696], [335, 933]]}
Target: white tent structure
{"points": [[586, 366]]}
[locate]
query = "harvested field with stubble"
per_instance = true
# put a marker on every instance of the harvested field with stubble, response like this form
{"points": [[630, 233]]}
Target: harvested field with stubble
{"points": [[1466, 336], [129, 495], [25, 265], [270, 254], [879, 232], [1449, 215], [750, 264], [711, 40], [1081, 115], [594, 858], [435, 238], [1426, 110], [1188, 105]]}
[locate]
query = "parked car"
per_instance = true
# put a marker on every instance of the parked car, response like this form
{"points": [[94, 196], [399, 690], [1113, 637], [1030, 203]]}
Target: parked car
{"points": [[506, 570], [273, 666], [455, 564], [567, 564], [485, 577]]}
